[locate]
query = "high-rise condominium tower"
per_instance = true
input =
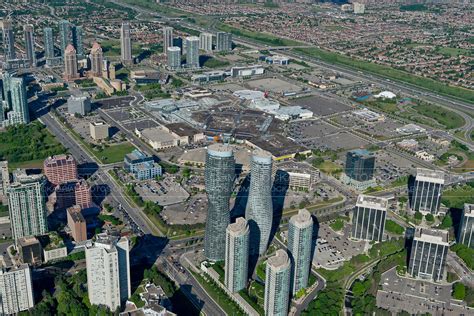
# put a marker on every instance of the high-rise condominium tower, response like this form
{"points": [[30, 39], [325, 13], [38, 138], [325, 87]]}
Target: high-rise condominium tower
{"points": [[174, 57], [76, 34], [426, 193], [60, 168], [428, 254], [466, 229], [29, 37], [16, 290], [368, 220], [300, 237], [64, 35], [223, 42], [205, 41], [19, 102], [70, 63], [277, 284], [259, 212], [219, 179], [126, 43], [192, 52], [97, 60], [108, 271], [237, 255], [27, 206], [48, 43], [167, 38], [8, 40]]}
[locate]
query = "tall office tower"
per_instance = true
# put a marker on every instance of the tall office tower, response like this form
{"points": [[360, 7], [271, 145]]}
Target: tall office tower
{"points": [[27, 206], [205, 41], [428, 254], [192, 52], [76, 223], [16, 290], [126, 44], [76, 34], [223, 42], [64, 35], [29, 37], [8, 40], [19, 102], [466, 229], [167, 38], [426, 192], [174, 57], [108, 271], [277, 284], [360, 165], [237, 255], [219, 180], [368, 220], [300, 238], [48, 43], [60, 168], [82, 194], [259, 212], [70, 63], [97, 60]]}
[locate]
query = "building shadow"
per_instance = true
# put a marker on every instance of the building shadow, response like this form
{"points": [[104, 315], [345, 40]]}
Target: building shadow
{"points": [[279, 190], [314, 240], [456, 215], [411, 189], [87, 169], [241, 200], [144, 255], [99, 193]]}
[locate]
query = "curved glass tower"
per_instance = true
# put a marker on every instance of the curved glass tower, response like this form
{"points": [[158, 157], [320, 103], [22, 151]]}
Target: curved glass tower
{"points": [[300, 234], [219, 178], [259, 212]]}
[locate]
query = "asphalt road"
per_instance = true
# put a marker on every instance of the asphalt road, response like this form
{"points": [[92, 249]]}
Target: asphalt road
{"points": [[82, 157]]}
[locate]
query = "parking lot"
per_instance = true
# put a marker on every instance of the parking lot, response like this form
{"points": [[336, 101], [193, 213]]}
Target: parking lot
{"points": [[273, 85], [333, 248], [310, 129], [337, 141], [417, 297], [113, 103], [321, 106], [191, 212], [165, 192]]}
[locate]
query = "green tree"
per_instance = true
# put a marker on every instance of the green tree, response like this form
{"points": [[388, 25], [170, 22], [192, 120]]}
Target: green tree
{"points": [[418, 216], [429, 217], [459, 291]]}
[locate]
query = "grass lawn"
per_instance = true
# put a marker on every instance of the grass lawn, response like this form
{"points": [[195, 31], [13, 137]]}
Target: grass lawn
{"points": [[448, 119], [337, 225], [329, 167], [30, 164], [224, 301], [457, 196], [453, 52], [393, 227], [114, 153]]}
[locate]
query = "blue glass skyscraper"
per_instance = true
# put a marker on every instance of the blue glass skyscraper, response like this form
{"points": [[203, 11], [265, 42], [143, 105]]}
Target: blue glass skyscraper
{"points": [[259, 212], [219, 180]]}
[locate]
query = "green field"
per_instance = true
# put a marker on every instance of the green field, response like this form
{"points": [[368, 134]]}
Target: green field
{"points": [[28, 145], [448, 119], [452, 51], [389, 72], [457, 196]]}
